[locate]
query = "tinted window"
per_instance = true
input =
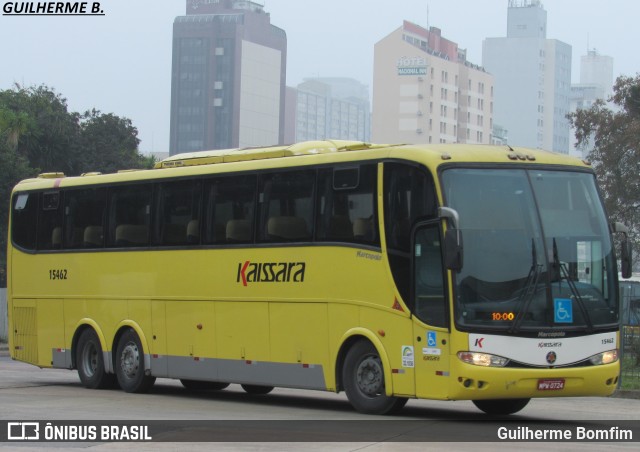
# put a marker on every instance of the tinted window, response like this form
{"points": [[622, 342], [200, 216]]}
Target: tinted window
{"points": [[409, 197], [24, 220], [230, 210], [430, 302], [50, 221], [178, 213], [286, 209], [84, 218], [347, 205], [129, 215]]}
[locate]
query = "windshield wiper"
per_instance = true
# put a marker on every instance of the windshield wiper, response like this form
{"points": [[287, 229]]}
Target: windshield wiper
{"points": [[563, 273], [525, 298]]}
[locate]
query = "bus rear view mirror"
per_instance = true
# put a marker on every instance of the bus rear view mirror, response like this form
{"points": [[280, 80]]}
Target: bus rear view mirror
{"points": [[626, 254], [453, 255], [626, 259]]}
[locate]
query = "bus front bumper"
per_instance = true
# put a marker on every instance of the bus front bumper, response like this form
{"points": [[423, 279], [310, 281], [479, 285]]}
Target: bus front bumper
{"points": [[469, 382]]}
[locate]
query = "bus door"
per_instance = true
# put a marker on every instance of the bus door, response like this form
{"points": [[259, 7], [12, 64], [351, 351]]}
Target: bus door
{"points": [[430, 312]]}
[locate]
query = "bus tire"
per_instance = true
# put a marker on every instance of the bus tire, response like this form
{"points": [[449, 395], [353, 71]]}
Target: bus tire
{"points": [[130, 364], [199, 385], [363, 381], [257, 389], [90, 362], [501, 406]]}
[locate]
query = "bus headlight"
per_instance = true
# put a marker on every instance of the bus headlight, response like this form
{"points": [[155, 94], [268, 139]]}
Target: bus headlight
{"points": [[482, 359], [604, 358]]}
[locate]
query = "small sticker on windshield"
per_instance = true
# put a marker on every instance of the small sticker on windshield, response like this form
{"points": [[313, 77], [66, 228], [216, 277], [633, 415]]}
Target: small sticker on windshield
{"points": [[562, 310]]}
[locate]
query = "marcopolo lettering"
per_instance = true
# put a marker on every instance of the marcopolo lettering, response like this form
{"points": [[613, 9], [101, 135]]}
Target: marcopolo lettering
{"points": [[259, 272]]}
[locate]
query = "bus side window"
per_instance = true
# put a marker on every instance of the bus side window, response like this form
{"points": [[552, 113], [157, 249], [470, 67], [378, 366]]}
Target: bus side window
{"points": [[129, 215], [230, 209], [286, 206], [50, 221], [178, 213], [84, 214], [346, 205], [409, 197], [24, 220]]}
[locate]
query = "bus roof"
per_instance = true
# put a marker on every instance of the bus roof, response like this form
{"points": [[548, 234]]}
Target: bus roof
{"points": [[457, 152], [311, 152]]}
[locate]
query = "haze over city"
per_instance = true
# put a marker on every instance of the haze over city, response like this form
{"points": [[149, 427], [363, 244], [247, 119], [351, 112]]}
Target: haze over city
{"points": [[121, 62]]}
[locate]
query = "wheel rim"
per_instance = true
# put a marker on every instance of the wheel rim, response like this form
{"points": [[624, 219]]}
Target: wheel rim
{"points": [[90, 360], [130, 360], [369, 376]]}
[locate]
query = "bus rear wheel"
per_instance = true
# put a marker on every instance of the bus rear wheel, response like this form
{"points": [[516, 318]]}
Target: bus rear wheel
{"points": [[198, 385], [501, 406], [257, 389], [130, 364], [363, 380], [90, 362]]}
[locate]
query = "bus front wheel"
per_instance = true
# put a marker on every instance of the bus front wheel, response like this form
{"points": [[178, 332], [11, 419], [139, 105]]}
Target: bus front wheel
{"points": [[90, 362], [130, 364], [501, 406], [363, 380]]}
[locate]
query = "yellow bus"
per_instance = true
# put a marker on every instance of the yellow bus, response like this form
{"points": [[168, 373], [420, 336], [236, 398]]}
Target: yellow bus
{"points": [[451, 272]]}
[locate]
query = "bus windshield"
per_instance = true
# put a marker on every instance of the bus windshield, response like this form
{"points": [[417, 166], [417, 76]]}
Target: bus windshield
{"points": [[537, 252]]}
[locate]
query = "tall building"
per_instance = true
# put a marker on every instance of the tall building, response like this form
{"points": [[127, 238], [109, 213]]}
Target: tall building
{"points": [[532, 79], [596, 83], [228, 77], [332, 108], [425, 90], [597, 69], [596, 80]]}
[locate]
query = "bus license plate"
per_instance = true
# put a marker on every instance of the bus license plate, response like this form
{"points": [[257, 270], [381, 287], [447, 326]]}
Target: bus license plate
{"points": [[550, 385]]}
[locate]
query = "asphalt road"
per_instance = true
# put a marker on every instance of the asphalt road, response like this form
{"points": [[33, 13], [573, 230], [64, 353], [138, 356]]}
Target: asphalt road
{"points": [[29, 393]]}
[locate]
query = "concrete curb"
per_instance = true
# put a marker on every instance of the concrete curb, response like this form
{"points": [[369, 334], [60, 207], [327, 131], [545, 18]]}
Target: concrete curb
{"points": [[4, 349]]}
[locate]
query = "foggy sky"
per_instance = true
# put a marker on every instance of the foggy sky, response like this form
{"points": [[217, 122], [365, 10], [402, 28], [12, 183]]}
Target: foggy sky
{"points": [[121, 62]]}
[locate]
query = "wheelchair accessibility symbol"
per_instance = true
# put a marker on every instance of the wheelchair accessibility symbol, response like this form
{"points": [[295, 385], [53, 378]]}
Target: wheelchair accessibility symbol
{"points": [[562, 310], [431, 339]]}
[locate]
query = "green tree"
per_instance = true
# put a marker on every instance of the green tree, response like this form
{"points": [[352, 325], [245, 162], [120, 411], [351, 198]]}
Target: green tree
{"points": [[13, 125], [612, 135], [109, 143], [39, 134], [48, 138]]}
